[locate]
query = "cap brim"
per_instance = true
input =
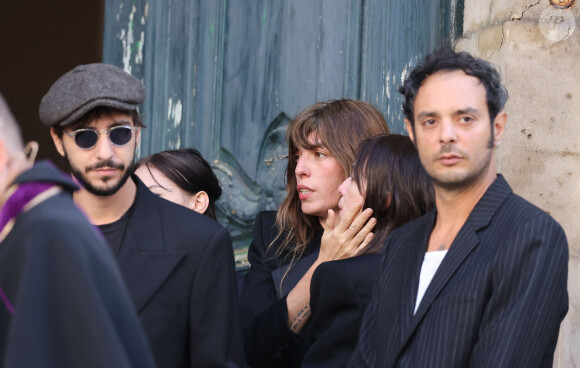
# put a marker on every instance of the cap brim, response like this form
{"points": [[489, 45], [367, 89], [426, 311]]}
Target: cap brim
{"points": [[91, 105]]}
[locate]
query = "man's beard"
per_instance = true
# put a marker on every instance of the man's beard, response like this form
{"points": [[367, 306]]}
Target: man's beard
{"points": [[464, 180], [79, 176]]}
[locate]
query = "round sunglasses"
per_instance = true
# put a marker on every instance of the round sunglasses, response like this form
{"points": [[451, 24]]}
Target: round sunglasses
{"points": [[87, 138]]}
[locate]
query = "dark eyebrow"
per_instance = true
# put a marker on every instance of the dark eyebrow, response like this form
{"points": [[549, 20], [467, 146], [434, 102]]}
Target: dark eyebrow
{"points": [[113, 124], [312, 147], [425, 114], [120, 123], [467, 110]]}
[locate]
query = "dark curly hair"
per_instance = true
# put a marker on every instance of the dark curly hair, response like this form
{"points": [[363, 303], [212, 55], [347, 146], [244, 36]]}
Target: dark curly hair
{"points": [[446, 59]]}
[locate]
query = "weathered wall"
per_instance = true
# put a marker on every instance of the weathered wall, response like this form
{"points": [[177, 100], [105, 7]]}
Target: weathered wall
{"points": [[537, 48]]}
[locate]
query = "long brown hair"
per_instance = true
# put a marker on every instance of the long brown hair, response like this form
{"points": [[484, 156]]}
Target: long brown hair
{"points": [[339, 126], [396, 186]]}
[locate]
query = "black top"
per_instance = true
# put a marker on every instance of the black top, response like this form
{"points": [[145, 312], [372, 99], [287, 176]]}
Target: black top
{"points": [[340, 291], [115, 231]]}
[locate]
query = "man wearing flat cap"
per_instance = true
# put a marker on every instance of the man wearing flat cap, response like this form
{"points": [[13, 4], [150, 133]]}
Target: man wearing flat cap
{"points": [[63, 302], [177, 264]]}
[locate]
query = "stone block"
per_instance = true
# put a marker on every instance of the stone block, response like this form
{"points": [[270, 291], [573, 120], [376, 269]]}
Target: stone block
{"points": [[537, 53]]}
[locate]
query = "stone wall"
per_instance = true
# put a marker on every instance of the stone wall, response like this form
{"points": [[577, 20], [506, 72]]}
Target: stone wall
{"points": [[536, 45]]}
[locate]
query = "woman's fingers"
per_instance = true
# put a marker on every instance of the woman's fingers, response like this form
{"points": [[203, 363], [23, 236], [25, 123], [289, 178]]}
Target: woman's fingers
{"points": [[352, 239], [331, 219], [359, 221], [364, 244], [362, 234], [356, 225], [347, 217], [346, 235]]}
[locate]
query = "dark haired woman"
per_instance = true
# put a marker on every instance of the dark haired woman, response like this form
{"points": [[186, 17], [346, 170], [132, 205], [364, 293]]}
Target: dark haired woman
{"points": [[388, 177], [181, 176], [286, 247]]}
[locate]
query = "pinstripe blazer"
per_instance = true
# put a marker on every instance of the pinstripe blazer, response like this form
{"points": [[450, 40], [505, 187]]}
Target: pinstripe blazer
{"points": [[496, 300]]}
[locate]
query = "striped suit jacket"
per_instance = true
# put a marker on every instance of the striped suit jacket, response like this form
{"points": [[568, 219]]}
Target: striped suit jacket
{"points": [[497, 299]]}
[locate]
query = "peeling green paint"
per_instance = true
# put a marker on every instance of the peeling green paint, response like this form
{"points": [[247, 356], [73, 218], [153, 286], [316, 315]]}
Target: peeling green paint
{"points": [[220, 84], [264, 16]]}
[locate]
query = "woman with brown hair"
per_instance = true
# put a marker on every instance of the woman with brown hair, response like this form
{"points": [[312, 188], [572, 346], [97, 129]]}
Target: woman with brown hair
{"points": [[286, 247]]}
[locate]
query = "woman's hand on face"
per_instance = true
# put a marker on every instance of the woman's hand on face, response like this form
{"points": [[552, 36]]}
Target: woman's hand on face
{"points": [[347, 236]]}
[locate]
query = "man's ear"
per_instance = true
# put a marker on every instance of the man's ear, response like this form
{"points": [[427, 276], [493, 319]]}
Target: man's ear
{"points": [[499, 125], [57, 142], [138, 136], [410, 130], [199, 202]]}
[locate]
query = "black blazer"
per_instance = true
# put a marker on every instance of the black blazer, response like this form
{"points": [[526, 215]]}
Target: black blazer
{"points": [[179, 268], [340, 291], [496, 300]]}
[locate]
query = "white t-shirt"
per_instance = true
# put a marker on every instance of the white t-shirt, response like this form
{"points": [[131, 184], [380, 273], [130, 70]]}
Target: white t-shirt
{"points": [[430, 265]]}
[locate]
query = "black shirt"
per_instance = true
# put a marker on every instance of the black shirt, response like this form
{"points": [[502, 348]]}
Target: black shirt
{"points": [[115, 231]]}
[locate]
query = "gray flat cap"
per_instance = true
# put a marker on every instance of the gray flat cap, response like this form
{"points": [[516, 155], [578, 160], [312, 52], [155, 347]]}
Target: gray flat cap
{"points": [[86, 87]]}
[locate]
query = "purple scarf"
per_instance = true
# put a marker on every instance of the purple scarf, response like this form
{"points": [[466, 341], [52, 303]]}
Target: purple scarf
{"points": [[20, 198]]}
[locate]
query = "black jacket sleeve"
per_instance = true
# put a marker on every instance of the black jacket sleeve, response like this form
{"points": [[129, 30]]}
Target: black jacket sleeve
{"points": [[528, 301], [267, 340], [214, 324], [340, 292], [364, 352]]}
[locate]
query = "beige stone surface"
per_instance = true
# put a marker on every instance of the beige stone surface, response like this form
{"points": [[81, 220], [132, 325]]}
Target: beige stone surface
{"points": [[476, 14], [501, 10], [537, 49]]}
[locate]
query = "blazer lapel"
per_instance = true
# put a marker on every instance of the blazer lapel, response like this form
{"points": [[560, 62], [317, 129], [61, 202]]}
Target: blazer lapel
{"points": [[417, 244], [463, 245], [143, 258], [285, 280]]}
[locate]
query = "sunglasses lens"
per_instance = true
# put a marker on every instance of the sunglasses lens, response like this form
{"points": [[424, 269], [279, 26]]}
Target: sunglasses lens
{"points": [[86, 138], [120, 136]]}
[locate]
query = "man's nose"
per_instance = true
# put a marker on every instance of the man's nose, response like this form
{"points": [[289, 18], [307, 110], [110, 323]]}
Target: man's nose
{"points": [[447, 131], [104, 147]]}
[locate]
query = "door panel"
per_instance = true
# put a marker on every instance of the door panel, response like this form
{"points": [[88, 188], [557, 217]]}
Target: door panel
{"points": [[226, 77]]}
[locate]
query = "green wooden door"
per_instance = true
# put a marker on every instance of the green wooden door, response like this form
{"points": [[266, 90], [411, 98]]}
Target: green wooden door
{"points": [[225, 77]]}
